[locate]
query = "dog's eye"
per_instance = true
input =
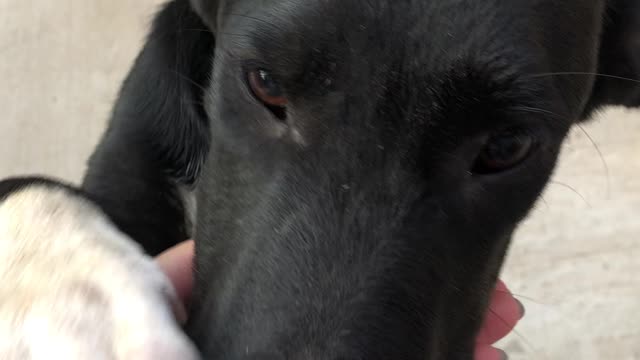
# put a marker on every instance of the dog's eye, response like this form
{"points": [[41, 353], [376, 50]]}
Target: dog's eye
{"points": [[503, 151], [266, 89]]}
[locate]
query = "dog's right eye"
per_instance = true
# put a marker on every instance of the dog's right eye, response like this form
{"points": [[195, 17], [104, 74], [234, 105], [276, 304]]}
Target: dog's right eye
{"points": [[268, 91], [503, 151]]}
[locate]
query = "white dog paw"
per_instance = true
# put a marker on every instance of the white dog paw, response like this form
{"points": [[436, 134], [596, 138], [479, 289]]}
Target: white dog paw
{"points": [[74, 287]]}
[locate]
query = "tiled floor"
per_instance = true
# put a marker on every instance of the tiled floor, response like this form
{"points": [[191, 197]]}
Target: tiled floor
{"points": [[575, 263]]}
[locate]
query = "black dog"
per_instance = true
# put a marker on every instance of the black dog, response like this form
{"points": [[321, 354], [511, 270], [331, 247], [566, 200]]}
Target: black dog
{"points": [[352, 171]]}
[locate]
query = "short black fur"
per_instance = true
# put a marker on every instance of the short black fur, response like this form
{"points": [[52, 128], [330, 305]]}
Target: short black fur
{"points": [[158, 136], [356, 229]]}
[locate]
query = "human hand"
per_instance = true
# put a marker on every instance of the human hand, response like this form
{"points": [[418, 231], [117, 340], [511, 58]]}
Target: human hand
{"points": [[501, 318]]}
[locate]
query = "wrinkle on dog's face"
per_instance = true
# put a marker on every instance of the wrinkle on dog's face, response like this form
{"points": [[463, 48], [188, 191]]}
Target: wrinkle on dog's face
{"points": [[356, 225]]}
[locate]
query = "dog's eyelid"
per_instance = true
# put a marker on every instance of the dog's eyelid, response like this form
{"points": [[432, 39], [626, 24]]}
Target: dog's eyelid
{"points": [[504, 150], [266, 89]]}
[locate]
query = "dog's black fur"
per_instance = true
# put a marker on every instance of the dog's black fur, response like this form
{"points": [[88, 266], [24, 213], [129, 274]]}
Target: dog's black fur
{"points": [[358, 227]]}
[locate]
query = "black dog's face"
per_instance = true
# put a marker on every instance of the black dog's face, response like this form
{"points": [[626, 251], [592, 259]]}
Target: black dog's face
{"points": [[369, 163]]}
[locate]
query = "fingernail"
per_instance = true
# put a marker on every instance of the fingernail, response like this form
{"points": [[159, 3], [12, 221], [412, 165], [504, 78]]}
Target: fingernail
{"points": [[503, 355], [523, 311]]}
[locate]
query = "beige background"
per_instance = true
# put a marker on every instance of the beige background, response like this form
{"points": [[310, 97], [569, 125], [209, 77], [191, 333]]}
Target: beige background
{"points": [[575, 263]]}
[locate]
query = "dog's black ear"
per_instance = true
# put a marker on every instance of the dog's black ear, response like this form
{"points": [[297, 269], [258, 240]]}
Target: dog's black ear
{"points": [[158, 136], [618, 82], [207, 10]]}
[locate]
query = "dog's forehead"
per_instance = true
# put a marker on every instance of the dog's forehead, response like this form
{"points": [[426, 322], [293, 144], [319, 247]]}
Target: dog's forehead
{"points": [[437, 17], [425, 21], [431, 32]]}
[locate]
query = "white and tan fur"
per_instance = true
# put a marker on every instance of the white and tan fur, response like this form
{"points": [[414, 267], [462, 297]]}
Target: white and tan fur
{"points": [[74, 287]]}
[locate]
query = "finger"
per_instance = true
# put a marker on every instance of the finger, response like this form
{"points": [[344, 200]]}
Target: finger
{"points": [[489, 353], [177, 264], [502, 316]]}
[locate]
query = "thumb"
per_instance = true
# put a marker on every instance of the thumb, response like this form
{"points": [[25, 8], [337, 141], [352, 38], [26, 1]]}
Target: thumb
{"points": [[177, 264]]}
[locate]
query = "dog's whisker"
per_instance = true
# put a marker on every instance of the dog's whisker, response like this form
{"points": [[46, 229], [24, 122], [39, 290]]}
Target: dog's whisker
{"points": [[545, 202], [162, 36], [526, 342], [244, 36], [584, 131], [602, 159], [540, 111], [535, 110], [251, 18], [523, 297], [580, 73], [188, 79], [196, 30], [574, 190]]}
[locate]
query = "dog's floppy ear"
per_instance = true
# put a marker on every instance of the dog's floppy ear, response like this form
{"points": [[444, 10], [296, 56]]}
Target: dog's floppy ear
{"points": [[158, 136], [618, 82], [207, 10]]}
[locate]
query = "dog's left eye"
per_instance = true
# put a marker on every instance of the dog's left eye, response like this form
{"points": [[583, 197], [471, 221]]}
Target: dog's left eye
{"points": [[266, 89], [504, 151]]}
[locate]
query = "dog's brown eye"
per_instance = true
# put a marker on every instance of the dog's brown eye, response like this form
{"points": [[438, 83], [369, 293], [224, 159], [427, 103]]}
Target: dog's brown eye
{"points": [[266, 89], [504, 151]]}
